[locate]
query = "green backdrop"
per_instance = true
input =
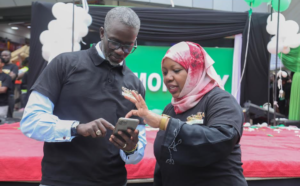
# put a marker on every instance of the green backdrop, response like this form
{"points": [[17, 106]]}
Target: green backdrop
{"points": [[145, 62]]}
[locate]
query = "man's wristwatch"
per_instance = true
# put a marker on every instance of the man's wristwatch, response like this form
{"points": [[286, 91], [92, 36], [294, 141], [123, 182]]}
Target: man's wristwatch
{"points": [[74, 128]]}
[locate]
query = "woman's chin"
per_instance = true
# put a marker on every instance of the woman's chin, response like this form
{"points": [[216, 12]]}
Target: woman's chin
{"points": [[175, 95]]}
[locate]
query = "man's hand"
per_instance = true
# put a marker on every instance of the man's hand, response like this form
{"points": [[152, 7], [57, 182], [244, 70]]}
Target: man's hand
{"points": [[12, 75], [130, 142], [96, 128]]}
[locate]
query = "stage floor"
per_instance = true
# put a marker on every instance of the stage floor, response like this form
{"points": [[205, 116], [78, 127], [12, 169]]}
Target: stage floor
{"points": [[268, 156]]}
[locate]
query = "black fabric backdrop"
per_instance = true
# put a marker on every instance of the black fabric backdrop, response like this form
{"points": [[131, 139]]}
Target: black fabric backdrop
{"points": [[254, 86], [170, 25], [41, 15]]}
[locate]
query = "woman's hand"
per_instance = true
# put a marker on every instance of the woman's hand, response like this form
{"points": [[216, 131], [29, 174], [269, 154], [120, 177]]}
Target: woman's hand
{"points": [[140, 105], [142, 111]]}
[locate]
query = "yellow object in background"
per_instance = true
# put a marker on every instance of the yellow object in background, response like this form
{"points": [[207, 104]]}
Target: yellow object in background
{"points": [[23, 52], [6, 71]]}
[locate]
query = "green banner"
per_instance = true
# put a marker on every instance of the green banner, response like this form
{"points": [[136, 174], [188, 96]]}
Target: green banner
{"points": [[145, 62]]}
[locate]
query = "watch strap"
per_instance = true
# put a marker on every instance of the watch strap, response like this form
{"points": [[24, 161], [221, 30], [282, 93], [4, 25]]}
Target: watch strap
{"points": [[74, 128]]}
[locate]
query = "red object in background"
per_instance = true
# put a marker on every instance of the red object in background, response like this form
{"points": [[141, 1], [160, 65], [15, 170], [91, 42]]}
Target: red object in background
{"points": [[18, 82], [265, 154]]}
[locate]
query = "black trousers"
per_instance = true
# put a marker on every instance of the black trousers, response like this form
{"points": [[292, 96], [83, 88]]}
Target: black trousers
{"points": [[11, 105]]}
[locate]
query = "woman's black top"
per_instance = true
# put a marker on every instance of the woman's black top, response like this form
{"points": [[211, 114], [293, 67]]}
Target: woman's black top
{"points": [[206, 154]]}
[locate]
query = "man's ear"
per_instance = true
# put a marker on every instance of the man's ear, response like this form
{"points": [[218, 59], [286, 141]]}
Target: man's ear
{"points": [[101, 33]]}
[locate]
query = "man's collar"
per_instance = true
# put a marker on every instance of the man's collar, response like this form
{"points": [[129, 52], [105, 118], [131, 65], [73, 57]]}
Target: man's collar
{"points": [[101, 54], [98, 60]]}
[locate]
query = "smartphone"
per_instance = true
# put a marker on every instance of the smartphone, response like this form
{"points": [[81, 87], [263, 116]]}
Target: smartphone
{"points": [[123, 124]]}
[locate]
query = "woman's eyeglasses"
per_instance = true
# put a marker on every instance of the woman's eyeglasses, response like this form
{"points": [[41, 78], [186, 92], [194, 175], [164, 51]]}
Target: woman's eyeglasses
{"points": [[126, 48]]}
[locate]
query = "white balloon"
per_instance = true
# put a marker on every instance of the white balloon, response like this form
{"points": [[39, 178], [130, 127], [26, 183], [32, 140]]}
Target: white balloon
{"points": [[290, 27], [286, 50], [54, 53], [77, 47], [82, 30], [58, 10], [66, 36], [65, 47], [68, 22], [88, 20], [49, 49], [288, 41], [82, 16], [46, 36], [275, 18], [46, 47], [55, 26], [272, 46], [46, 55], [292, 41], [69, 7], [80, 12], [68, 13], [272, 29], [60, 36]]}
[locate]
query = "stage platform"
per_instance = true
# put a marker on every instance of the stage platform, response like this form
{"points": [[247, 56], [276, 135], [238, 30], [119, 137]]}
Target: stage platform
{"points": [[270, 157]]}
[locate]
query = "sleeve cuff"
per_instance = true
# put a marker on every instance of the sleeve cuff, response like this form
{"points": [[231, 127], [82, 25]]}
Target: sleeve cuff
{"points": [[170, 142], [63, 130], [134, 158], [172, 131]]}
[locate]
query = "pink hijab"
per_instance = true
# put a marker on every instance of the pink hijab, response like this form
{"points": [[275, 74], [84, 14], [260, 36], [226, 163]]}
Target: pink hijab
{"points": [[201, 77]]}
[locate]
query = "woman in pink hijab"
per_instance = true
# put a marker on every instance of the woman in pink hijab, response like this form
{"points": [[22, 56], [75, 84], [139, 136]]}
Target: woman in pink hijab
{"points": [[198, 140]]}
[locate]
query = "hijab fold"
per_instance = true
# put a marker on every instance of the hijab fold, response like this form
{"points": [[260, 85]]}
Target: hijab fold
{"points": [[201, 77]]}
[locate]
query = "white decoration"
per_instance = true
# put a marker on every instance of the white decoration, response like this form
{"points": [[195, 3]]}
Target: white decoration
{"points": [[287, 34], [286, 50], [290, 27], [60, 35], [272, 45], [292, 41], [58, 10], [45, 37], [247, 124], [264, 124], [275, 18]]}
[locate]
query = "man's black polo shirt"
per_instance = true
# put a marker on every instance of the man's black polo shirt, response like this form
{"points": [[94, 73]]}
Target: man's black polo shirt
{"points": [[84, 87]]}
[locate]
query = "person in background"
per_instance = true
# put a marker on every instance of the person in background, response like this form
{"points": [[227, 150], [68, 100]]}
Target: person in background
{"points": [[200, 130], [283, 100], [24, 68], [23, 76], [12, 70], [5, 86], [75, 103]]}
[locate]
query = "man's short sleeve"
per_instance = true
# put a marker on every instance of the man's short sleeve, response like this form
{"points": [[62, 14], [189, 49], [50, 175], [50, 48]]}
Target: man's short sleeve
{"points": [[6, 82], [15, 69], [222, 108], [50, 81]]}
